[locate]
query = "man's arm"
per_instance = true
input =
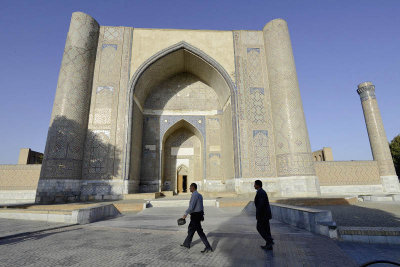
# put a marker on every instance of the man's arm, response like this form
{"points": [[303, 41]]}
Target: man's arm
{"points": [[192, 203]]}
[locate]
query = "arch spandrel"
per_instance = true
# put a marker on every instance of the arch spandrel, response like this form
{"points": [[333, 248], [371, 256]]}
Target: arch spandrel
{"points": [[181, 57]]}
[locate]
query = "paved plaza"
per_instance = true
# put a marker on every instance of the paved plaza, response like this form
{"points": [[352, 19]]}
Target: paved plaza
{"points": [[365, 214], [152, 238]]}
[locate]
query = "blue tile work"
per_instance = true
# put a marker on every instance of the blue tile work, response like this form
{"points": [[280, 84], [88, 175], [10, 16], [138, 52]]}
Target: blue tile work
{"points": [[101, 88], [261, 155], [213, 154], [256, 89], [199, 122], [256, 49], [255, 123], [256, 132], [109, 45]]}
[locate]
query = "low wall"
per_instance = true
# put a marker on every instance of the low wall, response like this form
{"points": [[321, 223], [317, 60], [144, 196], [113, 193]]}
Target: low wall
{"points": [[79, 216], [18, 183], [348, 177], [96, 213], [313, 220]]}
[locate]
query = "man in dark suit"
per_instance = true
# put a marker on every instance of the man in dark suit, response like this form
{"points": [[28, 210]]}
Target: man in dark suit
{"points": [[263, 215]]}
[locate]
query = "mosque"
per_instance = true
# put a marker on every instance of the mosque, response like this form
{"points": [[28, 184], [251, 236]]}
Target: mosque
{"points": [[153, 110]]}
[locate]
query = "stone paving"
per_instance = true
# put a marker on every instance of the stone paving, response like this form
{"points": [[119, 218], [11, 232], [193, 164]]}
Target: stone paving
{"points": [[12, 227], [367, 214], [152, 238], [363, 253]]}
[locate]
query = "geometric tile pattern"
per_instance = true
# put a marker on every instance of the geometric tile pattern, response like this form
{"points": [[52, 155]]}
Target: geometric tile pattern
{"points": [[66, 136], [257, 151], [337, 173], [112, 33], [256, 105], [292, 145], [261, 156], [105, 141], [99, 140]]}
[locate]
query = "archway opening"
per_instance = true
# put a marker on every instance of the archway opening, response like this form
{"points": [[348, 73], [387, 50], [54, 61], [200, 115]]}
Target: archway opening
{"points": [[176, 91], [182, 157]]}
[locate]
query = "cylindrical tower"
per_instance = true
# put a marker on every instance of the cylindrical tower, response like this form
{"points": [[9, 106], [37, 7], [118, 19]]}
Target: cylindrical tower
{"points": [[294, 160], [62, 164], [377, 137]]}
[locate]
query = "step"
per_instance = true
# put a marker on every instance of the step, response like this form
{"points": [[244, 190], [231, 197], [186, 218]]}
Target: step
{"points": [[389, 197], [142, 196], [124, 207], [372, 235], [178, 203]]}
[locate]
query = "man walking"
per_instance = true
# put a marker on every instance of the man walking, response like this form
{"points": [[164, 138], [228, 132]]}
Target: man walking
{"points": [[196, 212], [263, 215]]}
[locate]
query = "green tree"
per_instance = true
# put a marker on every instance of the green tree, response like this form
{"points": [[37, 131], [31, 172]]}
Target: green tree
{"points": [[395, 150]]}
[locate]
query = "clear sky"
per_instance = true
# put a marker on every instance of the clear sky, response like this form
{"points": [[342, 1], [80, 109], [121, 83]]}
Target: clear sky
{"points": [[337, 45]]}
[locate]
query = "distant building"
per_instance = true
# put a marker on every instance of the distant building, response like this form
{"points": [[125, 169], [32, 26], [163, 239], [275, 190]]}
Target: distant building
{"points": [[324, 154], [28, 156]]}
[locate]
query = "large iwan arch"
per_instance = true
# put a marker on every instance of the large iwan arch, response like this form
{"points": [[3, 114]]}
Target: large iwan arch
{"points": [[180, 84]]}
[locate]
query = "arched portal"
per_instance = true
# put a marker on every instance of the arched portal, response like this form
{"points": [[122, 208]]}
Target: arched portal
{"points": [[180, 83], [182, 157]]}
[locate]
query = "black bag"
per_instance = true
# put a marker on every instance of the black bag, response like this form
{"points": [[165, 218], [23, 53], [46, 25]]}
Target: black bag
{"points": [[181, 221]]}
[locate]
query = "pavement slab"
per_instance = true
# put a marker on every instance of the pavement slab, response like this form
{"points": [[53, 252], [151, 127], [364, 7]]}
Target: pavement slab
{"points": [[11, 227], [365, 214], [152, 238]]}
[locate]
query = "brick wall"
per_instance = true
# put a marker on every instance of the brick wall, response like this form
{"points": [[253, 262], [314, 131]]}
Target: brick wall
{"points": [[331, 173], [19, 177]]}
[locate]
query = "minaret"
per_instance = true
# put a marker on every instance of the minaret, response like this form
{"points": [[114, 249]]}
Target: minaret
{"points": [[62, 163], [377, 137], [295, 165]]}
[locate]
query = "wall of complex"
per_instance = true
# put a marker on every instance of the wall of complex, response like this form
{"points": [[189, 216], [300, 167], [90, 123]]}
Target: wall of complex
{"points": [[347, 172], [348, 177], [18, 183]]}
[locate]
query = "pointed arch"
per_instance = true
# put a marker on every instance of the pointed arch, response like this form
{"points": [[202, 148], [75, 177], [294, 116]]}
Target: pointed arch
{"points": [[183, 124], [217, 77], [193, 129]]}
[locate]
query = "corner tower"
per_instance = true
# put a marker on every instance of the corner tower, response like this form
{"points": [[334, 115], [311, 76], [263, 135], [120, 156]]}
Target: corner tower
{"points": [[294, 163], [62, 164]]}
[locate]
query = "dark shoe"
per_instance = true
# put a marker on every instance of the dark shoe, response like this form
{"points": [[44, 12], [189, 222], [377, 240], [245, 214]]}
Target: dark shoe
{"points": [[183, 245], [206, 250], [267, 247]]}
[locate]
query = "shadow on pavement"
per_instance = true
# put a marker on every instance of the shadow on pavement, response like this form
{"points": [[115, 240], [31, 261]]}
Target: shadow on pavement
{"points": [[34, 236]]}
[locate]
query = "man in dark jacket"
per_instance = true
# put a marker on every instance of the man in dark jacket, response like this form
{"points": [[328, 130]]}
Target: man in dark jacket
{"points": [[263, 215]]}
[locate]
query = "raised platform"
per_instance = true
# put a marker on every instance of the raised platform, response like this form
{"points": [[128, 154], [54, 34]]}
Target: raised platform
{"points": [[81, 213]]}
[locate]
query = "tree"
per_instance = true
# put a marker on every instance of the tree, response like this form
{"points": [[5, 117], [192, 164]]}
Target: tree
{"points": [[395, 150]]}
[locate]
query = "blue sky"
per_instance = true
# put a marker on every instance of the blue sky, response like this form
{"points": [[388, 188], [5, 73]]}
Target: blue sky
{"points": [[337, 45]]}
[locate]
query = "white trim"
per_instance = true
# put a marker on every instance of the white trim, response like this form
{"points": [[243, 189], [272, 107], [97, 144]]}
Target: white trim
{"points": [[180, 112]]}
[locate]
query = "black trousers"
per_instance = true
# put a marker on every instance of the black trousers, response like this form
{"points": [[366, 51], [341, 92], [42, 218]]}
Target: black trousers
{"points": [[265, 231], [195, 225]]}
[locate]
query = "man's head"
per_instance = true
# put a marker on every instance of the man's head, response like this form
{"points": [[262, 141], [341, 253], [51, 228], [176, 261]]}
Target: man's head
{"points": [[257, 184], [193, 187]]}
